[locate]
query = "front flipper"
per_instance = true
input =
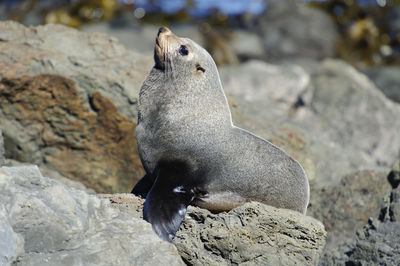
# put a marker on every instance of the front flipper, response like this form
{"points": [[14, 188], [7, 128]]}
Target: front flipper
{"points": [[143, 186], [172, 192]]}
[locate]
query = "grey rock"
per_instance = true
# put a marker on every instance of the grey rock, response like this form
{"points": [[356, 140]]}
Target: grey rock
{"points": [[375, 244], [58, 225], [11, 244], [133, 37], [334, 121], [346, 207], [96, 62], [2, 158], [355, 124], [331, 118], [387, 79], [252, 234], [246, 44], [284, 37]]}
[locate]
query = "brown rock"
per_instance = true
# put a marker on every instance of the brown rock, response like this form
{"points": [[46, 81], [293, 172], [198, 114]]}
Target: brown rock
{"points": [[97, 147]]}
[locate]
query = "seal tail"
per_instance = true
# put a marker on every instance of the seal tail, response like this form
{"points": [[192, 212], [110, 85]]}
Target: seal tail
{"points": [[167, 201]]}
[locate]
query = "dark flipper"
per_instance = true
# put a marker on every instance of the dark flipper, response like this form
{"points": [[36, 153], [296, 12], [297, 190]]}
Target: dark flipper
{"points": [[166, 203], [143, 186]]}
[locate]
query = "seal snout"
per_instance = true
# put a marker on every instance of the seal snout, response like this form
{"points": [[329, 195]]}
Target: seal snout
{"points": [[163, 30], [163, 36]]}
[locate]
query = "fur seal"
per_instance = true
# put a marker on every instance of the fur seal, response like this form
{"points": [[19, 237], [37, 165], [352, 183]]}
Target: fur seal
{"points": [[191, 151]]}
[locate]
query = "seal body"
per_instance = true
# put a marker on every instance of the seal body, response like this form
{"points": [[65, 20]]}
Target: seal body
{"points": [[191, 151]]}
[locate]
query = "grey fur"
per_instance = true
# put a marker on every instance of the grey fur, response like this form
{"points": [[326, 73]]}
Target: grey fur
{"points": [[184, 114]]}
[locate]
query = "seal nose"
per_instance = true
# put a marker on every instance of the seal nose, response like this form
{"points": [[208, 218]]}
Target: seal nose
{"points": [[162, 30]]}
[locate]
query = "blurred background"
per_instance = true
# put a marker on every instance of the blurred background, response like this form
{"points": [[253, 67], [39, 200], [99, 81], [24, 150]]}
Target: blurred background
{"points": [[365, 33]]}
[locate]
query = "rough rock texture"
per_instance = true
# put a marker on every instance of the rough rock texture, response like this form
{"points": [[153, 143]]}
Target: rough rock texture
{"points": [[43, 222], [377, 243], [387, 79], [335, 122], [284, 37], [78, 118], [96, 146], [346, 207], [252, 234]]}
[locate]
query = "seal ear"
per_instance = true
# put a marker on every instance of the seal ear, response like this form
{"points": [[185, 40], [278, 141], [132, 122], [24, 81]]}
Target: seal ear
{"points": [[166, 203], [199, 68]]}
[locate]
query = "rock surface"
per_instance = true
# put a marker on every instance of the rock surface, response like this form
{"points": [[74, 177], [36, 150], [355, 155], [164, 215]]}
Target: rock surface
{"points": [[285, 38], [331, 118], [79, 117], [252, 234], [346, 207], [375, 244], [43, 222], [387, 79]]}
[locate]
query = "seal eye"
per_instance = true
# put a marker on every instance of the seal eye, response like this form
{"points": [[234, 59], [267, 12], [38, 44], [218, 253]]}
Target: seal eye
{"points": [[183, 50]]}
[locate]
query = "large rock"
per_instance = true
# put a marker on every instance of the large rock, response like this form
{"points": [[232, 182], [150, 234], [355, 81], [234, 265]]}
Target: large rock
{"points": [[387, 79], [331, 118], [346, 207], [284, 37], [252, 234], [43, 222], [378, 243], [335, 122], [68, 103]]}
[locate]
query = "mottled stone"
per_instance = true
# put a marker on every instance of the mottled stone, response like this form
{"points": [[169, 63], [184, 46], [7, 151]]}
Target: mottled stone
{"points": [[44, 222], [378, 243], [79, 117], [250, 234], [47, 123], [346, 207]]}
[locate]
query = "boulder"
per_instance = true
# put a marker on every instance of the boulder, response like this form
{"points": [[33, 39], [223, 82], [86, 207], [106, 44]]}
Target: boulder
{"points": [[331, 117], [285, 38], [252, 234], [44, 222], [386, 79], [68, 103], [378, 243], [346, 207]]}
